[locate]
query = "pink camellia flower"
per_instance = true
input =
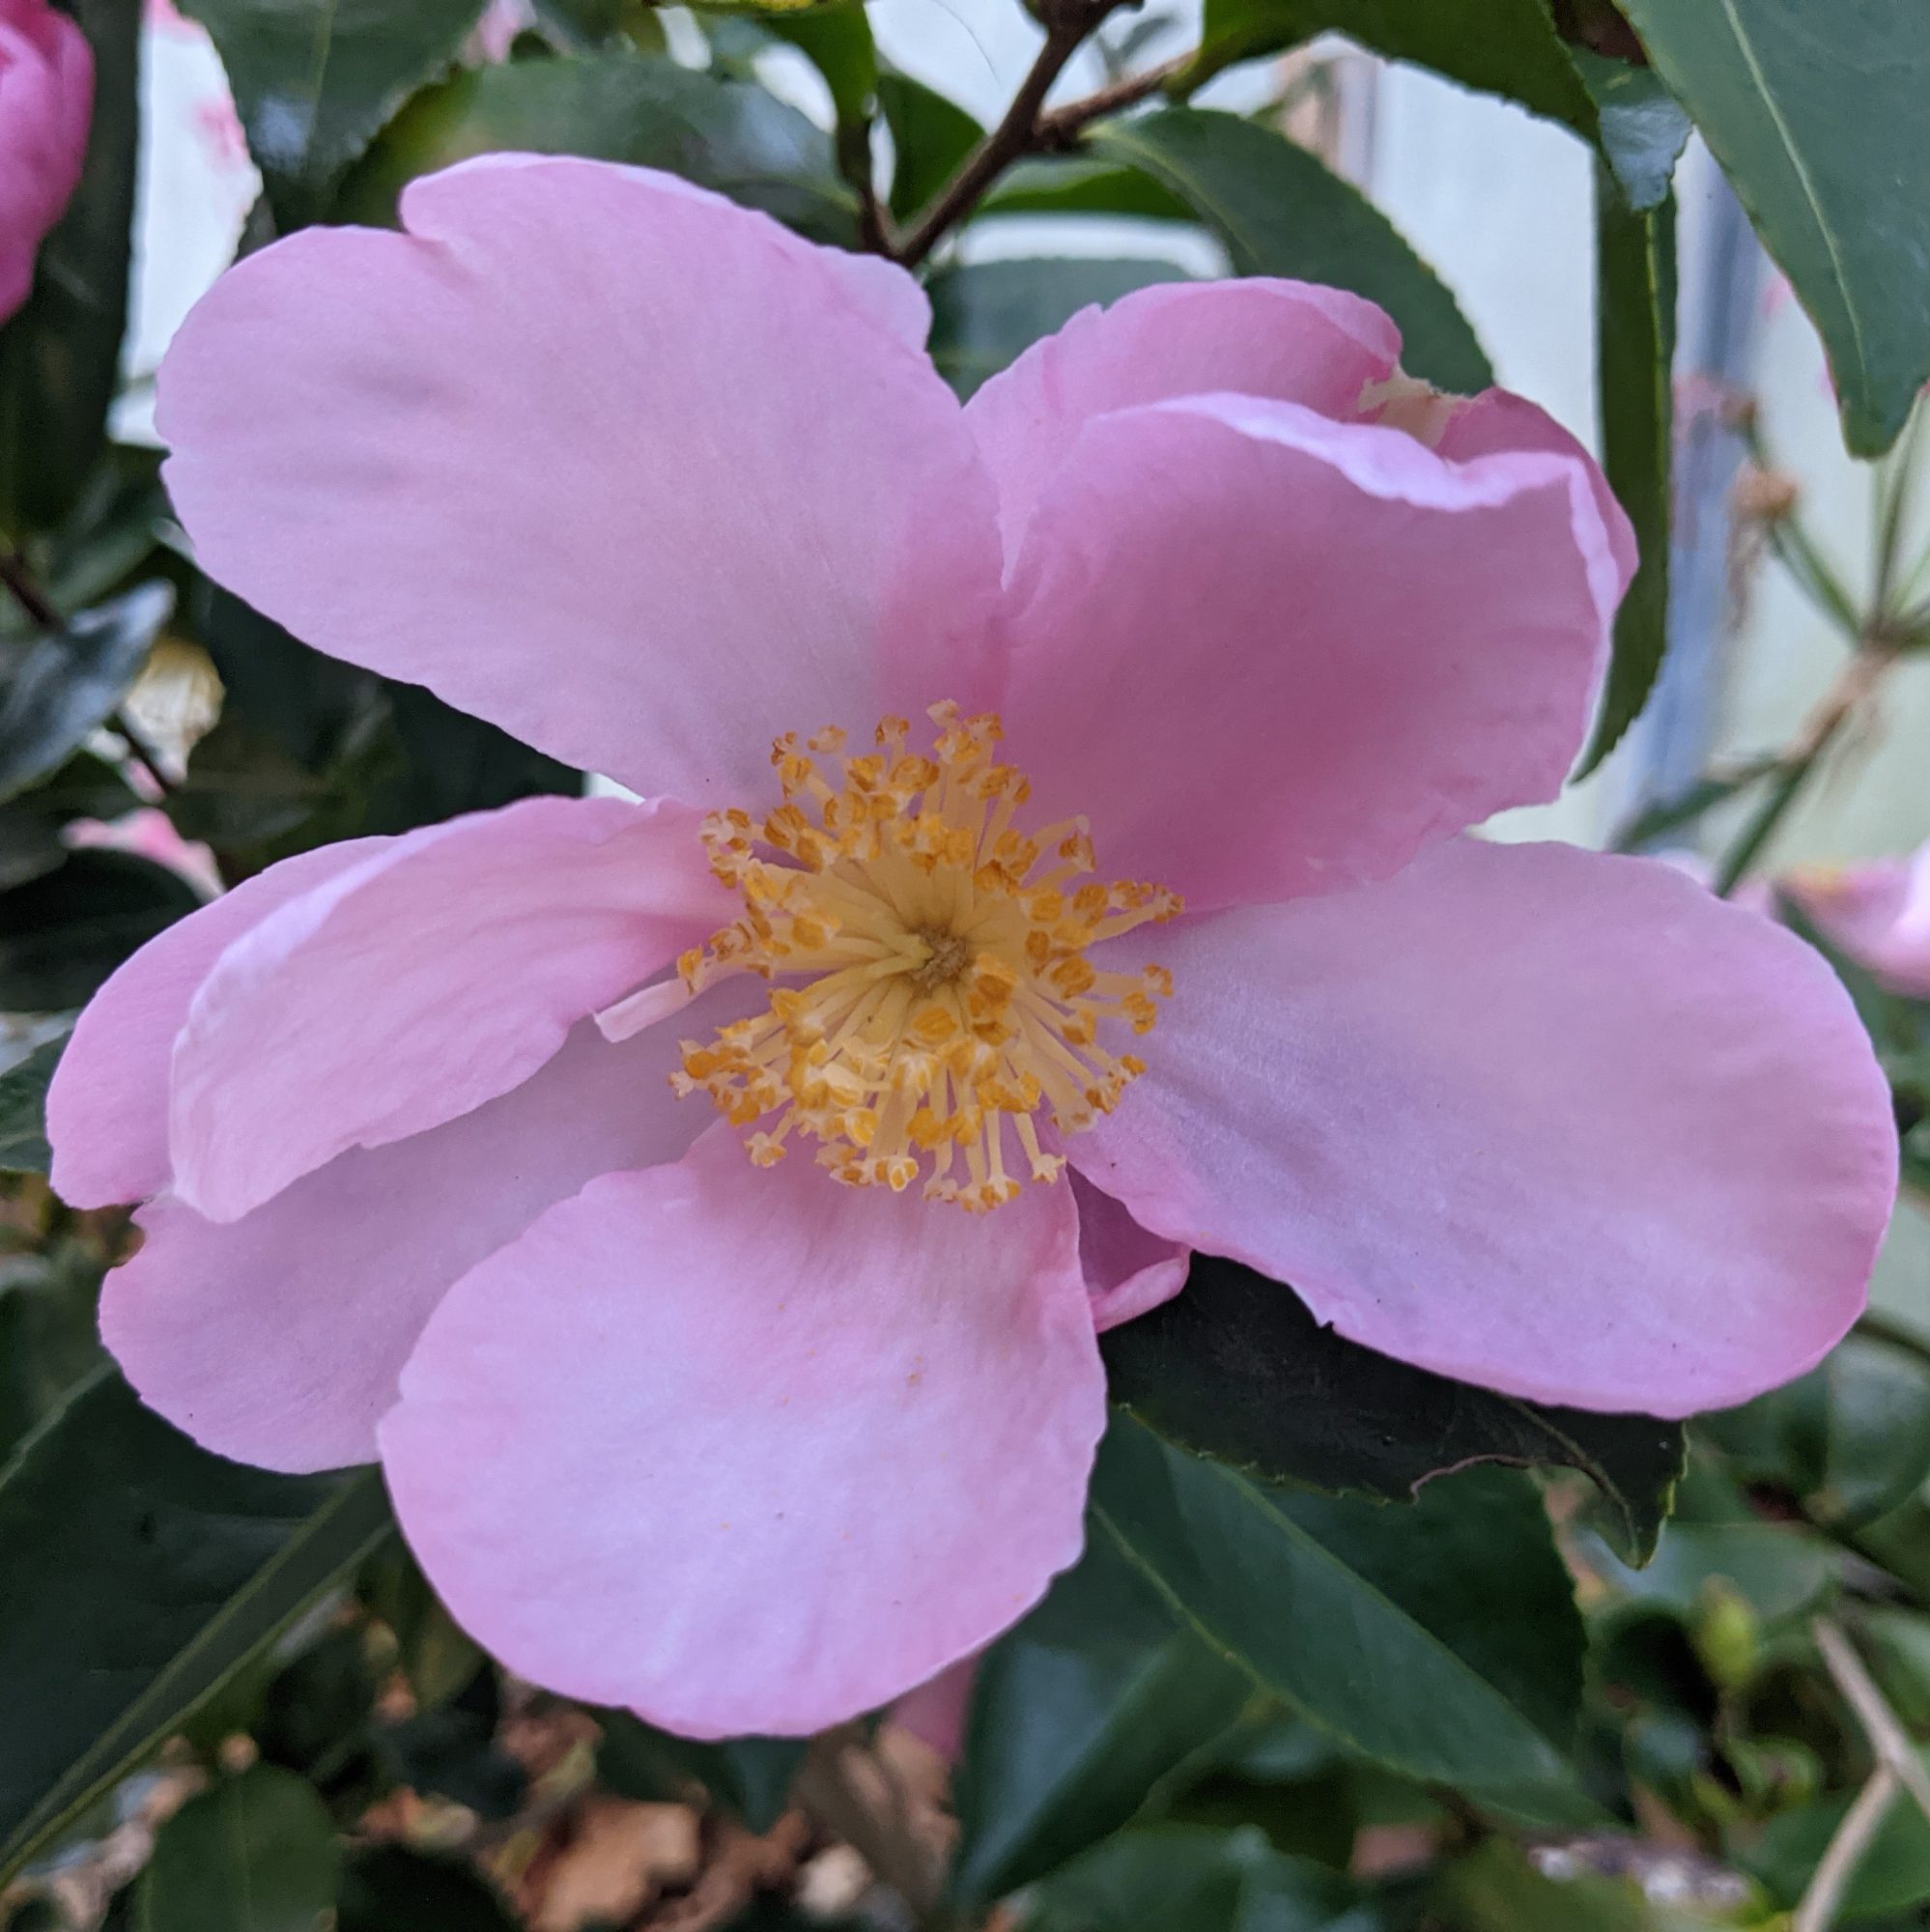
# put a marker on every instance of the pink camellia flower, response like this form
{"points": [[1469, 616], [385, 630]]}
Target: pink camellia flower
{"points": [[46, 103], [1203, 585], [1876, 911]]}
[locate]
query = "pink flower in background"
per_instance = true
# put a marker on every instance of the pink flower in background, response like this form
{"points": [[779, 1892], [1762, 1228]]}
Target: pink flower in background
{"points": [[1876, 911], [1201, 588], [496, 31], [150, 833], [46, 103]]}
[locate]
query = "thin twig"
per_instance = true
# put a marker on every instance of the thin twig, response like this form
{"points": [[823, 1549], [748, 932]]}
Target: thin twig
{"points": [[143, 751], [1017, 134], [827, 1790], [43, 611], [1063, 126], [1844, 1853], [1881, 1725], [1853, 689], [27, 594]]}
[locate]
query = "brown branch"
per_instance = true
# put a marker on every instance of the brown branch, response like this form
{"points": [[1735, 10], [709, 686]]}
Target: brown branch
{"points": [[1017, 134], [840, 1788], [27, 594], [1063, 126], [1853, 689]]}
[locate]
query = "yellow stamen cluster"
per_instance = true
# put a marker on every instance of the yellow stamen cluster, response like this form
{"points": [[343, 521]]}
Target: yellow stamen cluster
{"points": [[943, 951]]}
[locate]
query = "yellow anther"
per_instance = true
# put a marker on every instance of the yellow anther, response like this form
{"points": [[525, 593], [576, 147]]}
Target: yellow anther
{"points": [[937, 985]]}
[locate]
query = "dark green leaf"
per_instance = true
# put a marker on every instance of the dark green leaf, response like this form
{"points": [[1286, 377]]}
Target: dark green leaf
{"points": [[1280, 212], [836, 39], [32, 825], [1852, 1438], [1079, 184], [1191, 1879], [60, 934], [49, 1337], [1635, 326], [580, 26], [1494, 1889], [1779, 1570], [111, 532], [1237, 1369], [1500, 47], [255, 1854], [318, 1708], [722, 134], [60, 357], [1891, 1876], [1816, 115], [930, 136], [1076, 1714], [316, 81], [1508, 48], [751, 1777], [23, 1110], [1440, 1640], [390, 1888], [137, 1574], [1897, 1644], [309, 749], [982, 315], [61, 686]]}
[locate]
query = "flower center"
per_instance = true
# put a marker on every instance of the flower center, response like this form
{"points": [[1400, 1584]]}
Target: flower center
{"points": [[942, 954]]}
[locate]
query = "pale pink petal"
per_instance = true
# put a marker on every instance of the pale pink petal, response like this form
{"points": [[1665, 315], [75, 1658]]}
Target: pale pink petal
{"points": [[148, 832], [935, 1713], [278, 1339], [47, 104], [1294, 341], [107, 1107], [439, 974], [1495, 421], [746, 1450], [632, 472], [1269, 654], [1559, 1123], [1127, 1270], [495, 34], [1878, 913]]}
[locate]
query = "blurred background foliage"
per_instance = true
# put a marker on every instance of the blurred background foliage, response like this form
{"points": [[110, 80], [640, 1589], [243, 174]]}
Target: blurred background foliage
{"points": [[1352, 1648]]}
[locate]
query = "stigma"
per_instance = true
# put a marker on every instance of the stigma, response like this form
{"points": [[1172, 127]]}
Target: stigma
{"points": [[931, 995]]}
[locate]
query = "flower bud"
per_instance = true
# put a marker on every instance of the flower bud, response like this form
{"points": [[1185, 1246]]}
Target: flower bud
{"points": [[46, 101]]}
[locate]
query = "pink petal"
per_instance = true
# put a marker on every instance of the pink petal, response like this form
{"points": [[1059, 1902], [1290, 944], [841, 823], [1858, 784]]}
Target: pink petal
{"points": [[47, 106], [278, 1339], [1290, 340], [1558, 1124], [1495, 421], [936, 1711], [749, 1451], [1271, 654], [1878, 913], [630, 470], [1127, 1270], [107, 1107], [439, 974]]}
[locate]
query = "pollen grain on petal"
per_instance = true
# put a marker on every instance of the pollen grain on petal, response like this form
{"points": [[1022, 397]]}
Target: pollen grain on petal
{"points": [[931, 993]]}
